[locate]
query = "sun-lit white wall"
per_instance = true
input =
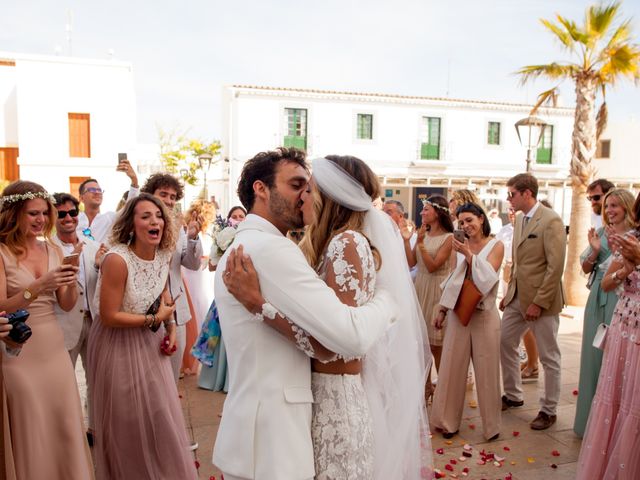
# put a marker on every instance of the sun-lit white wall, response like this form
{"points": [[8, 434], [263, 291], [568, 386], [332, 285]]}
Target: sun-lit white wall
{"points": [[48, 88], [254, 120]]}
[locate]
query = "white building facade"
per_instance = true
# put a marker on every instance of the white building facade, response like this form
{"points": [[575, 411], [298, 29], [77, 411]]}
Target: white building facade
{"points": [[416, 145], [65, 120]]}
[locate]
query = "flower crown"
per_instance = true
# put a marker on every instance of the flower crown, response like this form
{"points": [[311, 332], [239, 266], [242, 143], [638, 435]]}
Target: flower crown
{"points": [[20, 197], [435, 205]]}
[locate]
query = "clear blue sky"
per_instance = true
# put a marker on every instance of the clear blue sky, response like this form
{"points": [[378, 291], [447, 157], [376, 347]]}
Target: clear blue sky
{"points": [[184, 51]]}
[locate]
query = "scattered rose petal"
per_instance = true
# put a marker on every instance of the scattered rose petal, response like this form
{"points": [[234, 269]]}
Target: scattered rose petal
{"points": [[448, 467], [473, 404], [197, 464], [515, 434], [440, 451], [465, 470], [497, 464], [531, 459], [449, 442], [512, 463], [481, 462], [499, 459], [212, 477], [462, 459], [438, 474], [453, 461], [472, 426], [509, 476], [575, 393], [555, 453], [467, 447], [553, 465], [506, 449]]}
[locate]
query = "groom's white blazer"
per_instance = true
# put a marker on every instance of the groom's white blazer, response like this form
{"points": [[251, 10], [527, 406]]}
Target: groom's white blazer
{"points": [[265, 431]]}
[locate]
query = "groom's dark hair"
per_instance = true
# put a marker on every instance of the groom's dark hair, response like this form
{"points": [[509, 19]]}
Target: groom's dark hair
{"points": [[263, 167]]}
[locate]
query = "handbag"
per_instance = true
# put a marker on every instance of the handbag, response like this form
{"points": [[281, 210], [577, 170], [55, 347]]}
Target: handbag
{"points": [[600, 336], [468, 300], [153, 309]]}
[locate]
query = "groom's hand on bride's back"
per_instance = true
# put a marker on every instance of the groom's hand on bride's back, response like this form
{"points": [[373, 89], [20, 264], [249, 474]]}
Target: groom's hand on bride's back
{"points": [[241, 279]]}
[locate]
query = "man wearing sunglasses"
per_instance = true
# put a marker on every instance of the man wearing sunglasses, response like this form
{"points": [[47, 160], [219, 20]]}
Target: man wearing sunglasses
{"points": [[77, 322], [91, 223], [595, 194]]}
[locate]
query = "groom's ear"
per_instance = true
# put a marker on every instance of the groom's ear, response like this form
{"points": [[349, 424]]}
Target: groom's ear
{"points": [[260, 190]]}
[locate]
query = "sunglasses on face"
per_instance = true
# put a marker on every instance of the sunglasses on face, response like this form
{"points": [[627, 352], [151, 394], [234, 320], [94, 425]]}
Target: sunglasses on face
{"points": [[63, 213], [594, 198], [94, 190], [512, 194]]}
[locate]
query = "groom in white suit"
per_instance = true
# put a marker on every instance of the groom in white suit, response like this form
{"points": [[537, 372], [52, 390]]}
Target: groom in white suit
{"points": [[265, 431]]}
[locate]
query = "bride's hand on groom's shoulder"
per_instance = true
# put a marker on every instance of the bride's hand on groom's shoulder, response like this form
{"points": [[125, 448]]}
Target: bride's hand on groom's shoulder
{"points": [[241, 279]]}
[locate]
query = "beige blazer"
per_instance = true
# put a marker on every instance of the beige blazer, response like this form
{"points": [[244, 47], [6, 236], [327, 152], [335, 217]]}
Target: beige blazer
{"points": [[538, 262]]}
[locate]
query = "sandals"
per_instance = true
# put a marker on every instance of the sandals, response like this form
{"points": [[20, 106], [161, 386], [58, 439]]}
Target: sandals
{"points": [[529, 374]]}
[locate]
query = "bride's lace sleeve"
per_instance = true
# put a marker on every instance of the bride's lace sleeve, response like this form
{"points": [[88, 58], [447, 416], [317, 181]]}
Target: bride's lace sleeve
{"points": [[348, 268]]}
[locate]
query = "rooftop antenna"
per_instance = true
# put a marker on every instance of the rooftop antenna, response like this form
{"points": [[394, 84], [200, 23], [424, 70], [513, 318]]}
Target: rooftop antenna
{"points": [[69, 29], [448, 76]]}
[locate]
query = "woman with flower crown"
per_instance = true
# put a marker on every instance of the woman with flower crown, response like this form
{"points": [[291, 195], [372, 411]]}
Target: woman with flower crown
{"points": [[433, 255], [369, 418], [42, 429]]}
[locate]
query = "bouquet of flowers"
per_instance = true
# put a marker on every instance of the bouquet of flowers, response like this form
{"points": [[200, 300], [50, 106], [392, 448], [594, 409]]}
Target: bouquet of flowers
{"points": [[224, 231]]}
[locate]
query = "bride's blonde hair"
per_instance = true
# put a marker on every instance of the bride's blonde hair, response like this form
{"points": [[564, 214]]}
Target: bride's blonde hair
{"points": [[331, 218]]}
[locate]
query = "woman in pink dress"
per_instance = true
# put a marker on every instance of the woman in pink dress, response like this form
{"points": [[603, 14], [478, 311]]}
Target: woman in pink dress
{"points": [[139, 429], [41, 429], [611, 446]]}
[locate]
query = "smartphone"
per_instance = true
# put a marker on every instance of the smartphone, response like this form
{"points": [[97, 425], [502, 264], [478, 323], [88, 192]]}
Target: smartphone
{"points": [[72, 259], [122, 157], [459, 235]]}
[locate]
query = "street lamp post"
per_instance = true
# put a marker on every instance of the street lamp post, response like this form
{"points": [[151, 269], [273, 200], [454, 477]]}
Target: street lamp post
{"points": [[204, 160], [530, 132], [184, 173]]}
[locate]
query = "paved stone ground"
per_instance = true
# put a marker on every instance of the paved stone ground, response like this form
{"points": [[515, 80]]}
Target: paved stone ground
{"points": [[529, 455]]}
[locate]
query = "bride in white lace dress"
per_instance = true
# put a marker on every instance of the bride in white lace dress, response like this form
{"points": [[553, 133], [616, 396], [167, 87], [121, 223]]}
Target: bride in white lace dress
{"points": [[369, 420]]}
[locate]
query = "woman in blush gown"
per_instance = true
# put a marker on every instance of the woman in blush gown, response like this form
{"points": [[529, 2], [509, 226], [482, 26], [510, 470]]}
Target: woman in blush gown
{"points": [[42, 429], [139, 428]]}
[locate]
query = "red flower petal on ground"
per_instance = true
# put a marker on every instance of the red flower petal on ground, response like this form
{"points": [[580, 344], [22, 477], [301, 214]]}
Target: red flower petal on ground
{"points": [[555, 453], [508, 477], [197, 464], [506, 449], [453, 461], [515, 434], [553, 465], [472, 426], [575, 392], [448, 467], [440, 451]]}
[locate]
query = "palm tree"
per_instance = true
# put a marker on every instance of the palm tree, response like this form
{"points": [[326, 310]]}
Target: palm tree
{"points": [[602, 52]]}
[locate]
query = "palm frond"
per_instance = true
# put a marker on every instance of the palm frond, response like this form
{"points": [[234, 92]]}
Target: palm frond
{"points": [[621, 61], [572, 28], [548, 96], [599, 19], [621, 34], [552, 70], [562, 34]]}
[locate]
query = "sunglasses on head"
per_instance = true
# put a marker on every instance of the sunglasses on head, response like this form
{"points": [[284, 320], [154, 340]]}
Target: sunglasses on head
{"points": [[63, 213], [594, 198]]}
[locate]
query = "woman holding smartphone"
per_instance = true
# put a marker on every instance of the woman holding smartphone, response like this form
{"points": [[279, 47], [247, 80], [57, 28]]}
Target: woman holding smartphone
{"points": [[41, 405], [139, 428], [478, 257], [432, 254]]}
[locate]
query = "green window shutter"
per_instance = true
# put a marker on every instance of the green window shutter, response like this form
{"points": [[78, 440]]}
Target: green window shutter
{"points": [[365, 126], [493, 135], [296, 136], [430, 149], [544, 154]]}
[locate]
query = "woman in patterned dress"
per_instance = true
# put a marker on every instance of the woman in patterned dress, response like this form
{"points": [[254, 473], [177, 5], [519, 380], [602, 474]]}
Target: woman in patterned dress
{"points": [[611, 445], [363, 426], [139, 429]]}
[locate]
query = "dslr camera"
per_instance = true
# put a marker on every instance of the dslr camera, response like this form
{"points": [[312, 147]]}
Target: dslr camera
{"points": [[20, 332]]}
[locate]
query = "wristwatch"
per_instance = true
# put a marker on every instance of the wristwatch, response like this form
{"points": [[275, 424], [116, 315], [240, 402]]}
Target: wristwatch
{"points": [[29, 295]]}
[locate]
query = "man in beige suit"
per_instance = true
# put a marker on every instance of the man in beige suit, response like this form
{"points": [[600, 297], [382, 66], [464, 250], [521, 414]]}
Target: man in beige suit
{"points": [[534, 296]]}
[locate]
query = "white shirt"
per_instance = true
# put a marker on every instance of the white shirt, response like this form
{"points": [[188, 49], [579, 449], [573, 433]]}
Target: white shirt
{"points": [[100, 228], [596, 220]]}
